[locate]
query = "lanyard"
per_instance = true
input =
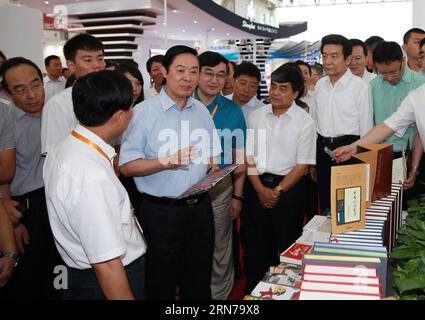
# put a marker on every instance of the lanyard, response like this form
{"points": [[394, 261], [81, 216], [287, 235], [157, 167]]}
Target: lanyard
{"points": [[214, 111], [91, 144]]}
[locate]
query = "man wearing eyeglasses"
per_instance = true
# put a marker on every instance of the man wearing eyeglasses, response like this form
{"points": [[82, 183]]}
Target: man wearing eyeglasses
{"points": [[395, 81], [247, 79], [226, 197], [34, 275]]}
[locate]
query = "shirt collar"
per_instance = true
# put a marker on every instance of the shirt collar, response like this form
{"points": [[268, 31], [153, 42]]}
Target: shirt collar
{"points": [[167, 103], [217, 99], [47, 79], [108, 149], [251, 103], [407, 76], [19, 113], [290, 112]]}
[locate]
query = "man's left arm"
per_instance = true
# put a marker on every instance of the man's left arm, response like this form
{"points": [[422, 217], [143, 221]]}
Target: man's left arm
{"points": [[239, 176]]}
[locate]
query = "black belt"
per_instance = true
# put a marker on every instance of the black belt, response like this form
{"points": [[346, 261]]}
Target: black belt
{"points": [[184, 202], [25, 199], [270, 180], [340, 139]]}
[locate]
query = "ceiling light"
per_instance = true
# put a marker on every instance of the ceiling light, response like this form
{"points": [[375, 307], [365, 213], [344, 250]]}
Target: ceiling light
{"points": [[46, 2], [163, 23], [175, 11], [212, 29], [194, 21], [183, 30], [227, 34]]}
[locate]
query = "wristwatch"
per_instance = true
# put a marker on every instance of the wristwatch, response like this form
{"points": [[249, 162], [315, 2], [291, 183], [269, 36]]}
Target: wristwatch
{"points": [[12, 255], [279, 189]]}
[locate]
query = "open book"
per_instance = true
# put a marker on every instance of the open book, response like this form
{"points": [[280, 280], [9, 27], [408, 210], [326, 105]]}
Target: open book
{"points": [[209, 181]]}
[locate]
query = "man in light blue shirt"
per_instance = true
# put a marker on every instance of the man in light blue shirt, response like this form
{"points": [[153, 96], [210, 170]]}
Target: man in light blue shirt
{"points": [[389, 89], [169, 146]]}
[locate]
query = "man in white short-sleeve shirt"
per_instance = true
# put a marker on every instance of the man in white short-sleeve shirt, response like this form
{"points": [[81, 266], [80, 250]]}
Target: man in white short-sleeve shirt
{"points": [[281, 144], [83, 54], [342, 108], [90, 214]]}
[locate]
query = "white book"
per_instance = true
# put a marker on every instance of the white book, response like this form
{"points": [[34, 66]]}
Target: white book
{"points": [[341, 279], [321, 295], [341, 270], [340, 287], [315, 223]]}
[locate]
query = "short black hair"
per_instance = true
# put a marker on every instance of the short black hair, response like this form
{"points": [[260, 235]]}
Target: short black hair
{"points": [[2, 55], [212, 59], [135, 72], [247, 69], [372, 41], [158, 58], [338, 39], [50, 58], [303, 63], [408, 34], [387, 51], [360, 43], [175, 51], [98, 95], [12, 63], [82, 41], [290, 72], [318, 67]]}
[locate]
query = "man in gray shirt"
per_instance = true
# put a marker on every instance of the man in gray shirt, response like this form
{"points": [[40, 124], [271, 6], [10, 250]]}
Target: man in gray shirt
{"points": [[7, 144], [22, 81]]}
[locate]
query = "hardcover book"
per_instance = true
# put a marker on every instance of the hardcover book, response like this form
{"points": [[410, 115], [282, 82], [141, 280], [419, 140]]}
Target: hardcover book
{"points": [[294, 254]]}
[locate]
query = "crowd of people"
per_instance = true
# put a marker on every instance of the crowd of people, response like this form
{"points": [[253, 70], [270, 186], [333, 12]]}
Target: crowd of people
{"points": [[92, 167]]}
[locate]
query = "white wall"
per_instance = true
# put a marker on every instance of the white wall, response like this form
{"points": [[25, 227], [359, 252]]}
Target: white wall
{"points": [[21, 33], [419, 14], [388, 20]]}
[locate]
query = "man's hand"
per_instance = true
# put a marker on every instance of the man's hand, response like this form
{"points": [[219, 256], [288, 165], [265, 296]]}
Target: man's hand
{"points": [[411, 179], [235, 209], [22, 237], [182, 157], [6, 269], [268, 197], [14, 215], [344, 153]]}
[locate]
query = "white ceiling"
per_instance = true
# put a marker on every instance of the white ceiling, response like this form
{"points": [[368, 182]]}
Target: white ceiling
{"points": [[185, 21]]}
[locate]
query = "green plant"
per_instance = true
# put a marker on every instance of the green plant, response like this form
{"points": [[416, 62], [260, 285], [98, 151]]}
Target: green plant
{"points": [[410, 254]]}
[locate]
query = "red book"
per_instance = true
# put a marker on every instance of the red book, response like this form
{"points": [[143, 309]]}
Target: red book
{"points": [[294, 254]]}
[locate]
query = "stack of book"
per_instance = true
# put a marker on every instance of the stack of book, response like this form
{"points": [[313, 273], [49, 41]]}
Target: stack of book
{"points": [[318, 229], [344, 272], [383, 219], [279, 283]]}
